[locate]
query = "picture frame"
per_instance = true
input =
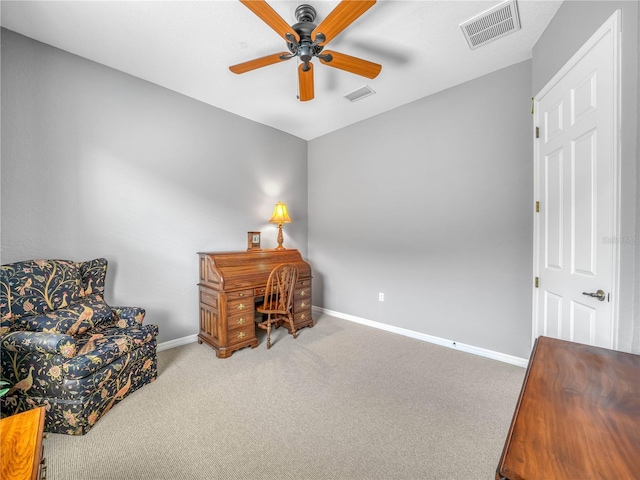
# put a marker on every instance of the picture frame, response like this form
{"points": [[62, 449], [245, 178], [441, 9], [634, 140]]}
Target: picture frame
{"points": [[253, 241]]}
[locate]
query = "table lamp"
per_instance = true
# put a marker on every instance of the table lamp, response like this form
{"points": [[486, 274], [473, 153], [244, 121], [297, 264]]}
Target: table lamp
{"points": [[280, 216]]}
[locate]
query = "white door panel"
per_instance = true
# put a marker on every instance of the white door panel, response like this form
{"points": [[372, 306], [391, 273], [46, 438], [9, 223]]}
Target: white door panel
{"points": [[576, 169], [554, 207], [552, 315], [584, 175]]}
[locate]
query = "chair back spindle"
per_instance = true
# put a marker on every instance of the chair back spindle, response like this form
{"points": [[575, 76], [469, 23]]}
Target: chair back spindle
{"points": [[278, 299]]}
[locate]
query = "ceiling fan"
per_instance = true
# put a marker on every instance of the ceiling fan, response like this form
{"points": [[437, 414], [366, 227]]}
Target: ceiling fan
{"points": [[305, 40]]}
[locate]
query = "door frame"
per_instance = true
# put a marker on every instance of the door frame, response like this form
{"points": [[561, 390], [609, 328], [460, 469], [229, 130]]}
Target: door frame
{"points": [[612, 24]]}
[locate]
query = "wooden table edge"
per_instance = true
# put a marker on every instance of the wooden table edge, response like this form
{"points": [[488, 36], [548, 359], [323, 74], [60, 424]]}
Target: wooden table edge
{"points": [[507, 443]]}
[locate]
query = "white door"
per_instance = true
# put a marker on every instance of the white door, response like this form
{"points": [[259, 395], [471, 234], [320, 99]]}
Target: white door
{"points": [[577, 169]]}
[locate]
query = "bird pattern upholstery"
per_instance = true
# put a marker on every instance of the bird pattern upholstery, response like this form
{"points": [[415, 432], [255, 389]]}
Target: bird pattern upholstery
{"points": [[63, 347]]}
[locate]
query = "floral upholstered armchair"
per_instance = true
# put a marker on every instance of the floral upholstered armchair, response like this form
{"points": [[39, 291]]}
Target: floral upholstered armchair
{"points": [[63, 347]]}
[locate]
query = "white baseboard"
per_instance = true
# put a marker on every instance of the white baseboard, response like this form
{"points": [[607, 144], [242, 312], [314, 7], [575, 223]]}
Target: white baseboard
{"points": [[178, 342], [483, 352]]}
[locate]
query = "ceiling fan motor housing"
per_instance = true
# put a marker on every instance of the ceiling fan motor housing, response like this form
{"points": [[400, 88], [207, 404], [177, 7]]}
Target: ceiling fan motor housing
{"points": [[305, 49], [305, 13]]}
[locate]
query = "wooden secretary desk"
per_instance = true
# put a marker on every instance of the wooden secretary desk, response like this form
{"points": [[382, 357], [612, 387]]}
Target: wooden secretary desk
{"points": [[231, 283]]}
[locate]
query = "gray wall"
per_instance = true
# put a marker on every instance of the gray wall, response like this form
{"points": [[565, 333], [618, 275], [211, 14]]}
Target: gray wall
{"points": [[430, 203], [574, 23], [99, 163]]}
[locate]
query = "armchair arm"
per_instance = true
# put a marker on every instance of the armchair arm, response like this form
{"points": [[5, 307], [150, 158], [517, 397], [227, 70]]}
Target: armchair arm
{"points": [[41, 342], [128, 316]]}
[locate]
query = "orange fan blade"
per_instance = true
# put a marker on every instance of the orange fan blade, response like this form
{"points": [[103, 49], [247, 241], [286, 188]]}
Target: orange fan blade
{"points": [[306, 82], [258, 62], [352, 64], [341, 17], [269, 16]]}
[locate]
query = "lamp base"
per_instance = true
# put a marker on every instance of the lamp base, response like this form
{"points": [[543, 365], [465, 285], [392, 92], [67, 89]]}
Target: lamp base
{"points": [[280, 238]]}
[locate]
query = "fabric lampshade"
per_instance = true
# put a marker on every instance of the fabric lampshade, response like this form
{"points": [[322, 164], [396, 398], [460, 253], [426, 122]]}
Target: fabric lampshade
{"points": [[280, 214]]}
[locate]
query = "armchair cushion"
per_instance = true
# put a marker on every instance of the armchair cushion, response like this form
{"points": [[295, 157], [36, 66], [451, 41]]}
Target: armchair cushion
{"points": [[95, 350], [39, 342], [79, 317]]}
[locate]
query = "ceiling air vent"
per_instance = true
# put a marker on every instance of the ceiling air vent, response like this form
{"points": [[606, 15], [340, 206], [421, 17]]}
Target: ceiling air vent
{"points": [[494, 23], [359, 94]]}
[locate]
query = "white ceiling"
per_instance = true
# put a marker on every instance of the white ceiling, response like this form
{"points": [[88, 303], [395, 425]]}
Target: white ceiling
{"points": [[187, 46]]}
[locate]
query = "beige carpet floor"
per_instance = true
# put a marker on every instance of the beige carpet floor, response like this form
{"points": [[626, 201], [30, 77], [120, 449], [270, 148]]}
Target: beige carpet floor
{"points": [[343, 401]]}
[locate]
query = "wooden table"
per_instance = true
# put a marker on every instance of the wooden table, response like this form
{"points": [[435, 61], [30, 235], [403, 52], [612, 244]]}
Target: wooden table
{"points": [[578, 416], [21, 446]]}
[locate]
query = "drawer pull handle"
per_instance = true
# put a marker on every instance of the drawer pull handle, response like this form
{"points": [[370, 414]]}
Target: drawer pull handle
{"points": [[242, 335], [302, 305], [241, 321], [241, 306], [303, 316], [302, 293], [242, 294]]}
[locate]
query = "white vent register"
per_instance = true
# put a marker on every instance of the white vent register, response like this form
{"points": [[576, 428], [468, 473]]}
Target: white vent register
{"points": [[360, 93], [492, 24]]}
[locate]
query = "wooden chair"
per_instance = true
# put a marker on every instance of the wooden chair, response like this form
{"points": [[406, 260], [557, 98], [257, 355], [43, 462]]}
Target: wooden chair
{"points": [[278, 299]]}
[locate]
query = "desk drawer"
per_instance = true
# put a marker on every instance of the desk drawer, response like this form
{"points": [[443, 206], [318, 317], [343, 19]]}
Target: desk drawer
{"points": [[240, 320], [259, 292], [301, 317], [240, 306], [241, 294], [302, 293], [303, 283], [303, 304], [241, 334]]}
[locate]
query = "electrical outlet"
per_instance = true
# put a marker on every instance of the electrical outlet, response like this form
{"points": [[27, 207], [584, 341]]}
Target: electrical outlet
{"points": [[381, 297]]}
